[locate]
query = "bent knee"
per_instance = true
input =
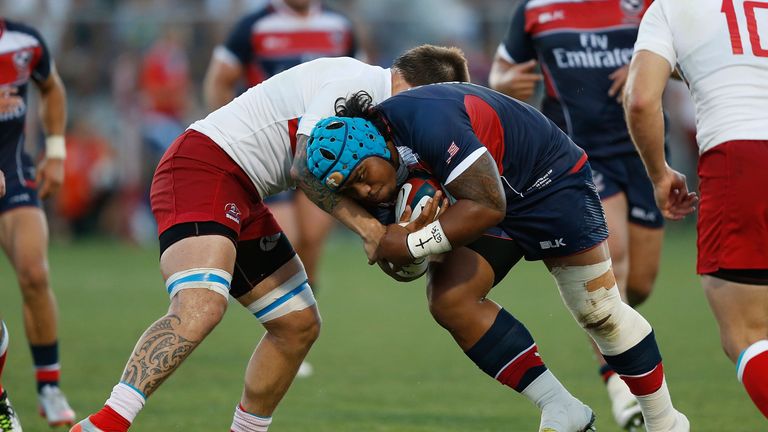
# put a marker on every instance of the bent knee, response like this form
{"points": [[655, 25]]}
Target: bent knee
{"points": [[200, 310], [33, 278], [450, 308], [300, 327]]}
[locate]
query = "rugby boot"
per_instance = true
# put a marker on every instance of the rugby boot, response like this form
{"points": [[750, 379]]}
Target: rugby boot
{"points": [[54, 407], [9, 421], [569, 416], [624, 405]]}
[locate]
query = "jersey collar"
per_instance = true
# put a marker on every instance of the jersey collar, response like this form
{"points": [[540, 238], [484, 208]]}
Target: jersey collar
{"points": [[280, 6]]}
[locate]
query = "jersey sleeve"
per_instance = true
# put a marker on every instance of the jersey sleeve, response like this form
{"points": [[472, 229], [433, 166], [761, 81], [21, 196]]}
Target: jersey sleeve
{"points": [[443, 138], [655, 34], [517, 45], [237, 49], [42, 62]]}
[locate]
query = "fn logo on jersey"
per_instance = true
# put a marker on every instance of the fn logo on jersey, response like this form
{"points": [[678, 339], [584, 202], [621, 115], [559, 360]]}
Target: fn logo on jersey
{"points": [[552, 244]]}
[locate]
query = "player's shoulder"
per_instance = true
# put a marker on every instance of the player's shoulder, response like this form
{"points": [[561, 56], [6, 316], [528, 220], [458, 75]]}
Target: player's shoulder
{"points": [[7, 25], [334, 12], [339, 65], [262, 11]]}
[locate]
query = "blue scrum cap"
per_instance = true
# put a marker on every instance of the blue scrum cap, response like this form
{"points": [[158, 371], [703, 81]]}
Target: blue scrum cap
{"points": [[338, 144]]}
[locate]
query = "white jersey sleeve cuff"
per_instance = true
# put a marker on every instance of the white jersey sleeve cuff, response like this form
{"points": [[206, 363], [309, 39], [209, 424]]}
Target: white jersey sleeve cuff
{"points": [[503, 53], [222, 54], [660, 50], [466, 163]]}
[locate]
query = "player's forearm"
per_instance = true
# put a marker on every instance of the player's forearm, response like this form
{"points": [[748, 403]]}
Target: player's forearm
{"points": [[465, 221], [645, 120], [53, 107]]}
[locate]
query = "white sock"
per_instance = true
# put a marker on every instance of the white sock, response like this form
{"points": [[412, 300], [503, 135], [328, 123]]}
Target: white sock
{"points": [[559, 409], [126, 401], [658, 412], [3, 338], [247, 422]]}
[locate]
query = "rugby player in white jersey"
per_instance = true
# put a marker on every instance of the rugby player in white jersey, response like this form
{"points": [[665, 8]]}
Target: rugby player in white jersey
{"points": [[217, 237], [719, 48]]}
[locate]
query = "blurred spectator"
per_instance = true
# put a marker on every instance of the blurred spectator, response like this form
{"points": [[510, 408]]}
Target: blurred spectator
{"points": [[90, 178]]}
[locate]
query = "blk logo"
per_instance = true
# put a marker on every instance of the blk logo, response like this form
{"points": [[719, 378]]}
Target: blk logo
{"points": [[552, 244]]}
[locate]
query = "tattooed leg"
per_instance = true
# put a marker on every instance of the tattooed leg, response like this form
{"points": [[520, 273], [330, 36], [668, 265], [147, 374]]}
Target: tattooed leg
{"points": [[170, 340]]}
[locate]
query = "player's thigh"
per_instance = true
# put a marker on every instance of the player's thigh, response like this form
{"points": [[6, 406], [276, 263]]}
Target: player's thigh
{"points": [[313, 223], [741, 311], [204, 251], [24, 237], [616, 210], [270, 281], [466, 275]]}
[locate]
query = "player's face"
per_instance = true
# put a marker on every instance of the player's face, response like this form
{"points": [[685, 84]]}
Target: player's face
{"points": [[299, 4], [373, 181]]}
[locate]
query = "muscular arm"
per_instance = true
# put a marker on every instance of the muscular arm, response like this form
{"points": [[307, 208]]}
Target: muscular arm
{"points": [[480, 204], [219, 85], [648, 76], [516, 80], [347, 211], [53, 112], [53, 109]]}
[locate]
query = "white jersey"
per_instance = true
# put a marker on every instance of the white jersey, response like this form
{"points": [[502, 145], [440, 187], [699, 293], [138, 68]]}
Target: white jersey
{"points": [[258, 129], [721, 47]]}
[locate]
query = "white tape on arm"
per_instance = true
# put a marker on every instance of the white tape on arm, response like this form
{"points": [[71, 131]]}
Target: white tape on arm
{"points": [[55, 147], [430, 240]]}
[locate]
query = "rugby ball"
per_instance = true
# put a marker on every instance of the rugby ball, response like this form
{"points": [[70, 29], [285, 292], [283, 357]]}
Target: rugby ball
{"points": [[416, 192]]}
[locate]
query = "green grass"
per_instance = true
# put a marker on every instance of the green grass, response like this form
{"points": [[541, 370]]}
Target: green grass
{"points": [[381, 363]]}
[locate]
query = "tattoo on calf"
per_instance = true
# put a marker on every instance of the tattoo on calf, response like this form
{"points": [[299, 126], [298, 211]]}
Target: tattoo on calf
{"points": [[159, 352]]}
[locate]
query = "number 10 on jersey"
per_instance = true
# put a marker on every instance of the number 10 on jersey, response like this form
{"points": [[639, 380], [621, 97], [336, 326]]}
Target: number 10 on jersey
{"points": [[733, 26]]}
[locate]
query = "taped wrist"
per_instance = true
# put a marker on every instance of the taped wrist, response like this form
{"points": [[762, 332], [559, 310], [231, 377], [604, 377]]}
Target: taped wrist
{"points": [[430, 240], [55, 147]]}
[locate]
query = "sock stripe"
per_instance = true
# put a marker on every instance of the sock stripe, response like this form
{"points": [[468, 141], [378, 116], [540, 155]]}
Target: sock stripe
{"points": [[523, 370], [4, 340], [638, 360], [647, 383], [48, 376], [748, 354]]}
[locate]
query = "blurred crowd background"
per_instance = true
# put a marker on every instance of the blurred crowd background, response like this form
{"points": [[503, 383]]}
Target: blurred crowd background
{"points": [[133, 70]]}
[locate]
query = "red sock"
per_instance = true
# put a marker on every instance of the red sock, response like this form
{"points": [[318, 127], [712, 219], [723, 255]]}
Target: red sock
{"points": [[753, 373], [2, 363], [109, 420]]}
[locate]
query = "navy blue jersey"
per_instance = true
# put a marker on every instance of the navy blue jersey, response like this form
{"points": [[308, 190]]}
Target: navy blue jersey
{"points": [[23, 57], [276, 38], [578, 45], [450, 125]]}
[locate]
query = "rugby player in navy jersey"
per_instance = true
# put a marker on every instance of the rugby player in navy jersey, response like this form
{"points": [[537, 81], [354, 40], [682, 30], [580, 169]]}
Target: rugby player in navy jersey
{"points": [[24, 59], [583, 49], [521, 188]]}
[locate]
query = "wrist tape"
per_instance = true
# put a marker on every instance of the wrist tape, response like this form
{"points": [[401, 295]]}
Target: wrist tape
{"points": [[430, 240]]}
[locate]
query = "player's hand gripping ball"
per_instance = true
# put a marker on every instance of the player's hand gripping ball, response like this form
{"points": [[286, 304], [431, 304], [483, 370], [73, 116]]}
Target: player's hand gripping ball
{"points": [[416, 192]]}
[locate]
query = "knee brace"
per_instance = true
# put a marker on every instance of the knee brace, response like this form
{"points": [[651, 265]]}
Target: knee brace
{"points": [[213, 279], [292, 295], [591, 294]]}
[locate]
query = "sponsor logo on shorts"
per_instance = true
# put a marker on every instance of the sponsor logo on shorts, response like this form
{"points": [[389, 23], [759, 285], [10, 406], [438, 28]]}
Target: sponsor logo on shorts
{"points": [[20, 198], [269, 242], [552, 244], [598, 180], [643, 214], [232, 212]]}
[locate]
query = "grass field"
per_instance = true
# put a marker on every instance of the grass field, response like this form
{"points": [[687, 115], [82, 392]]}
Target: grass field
{"points": [[381, 363]]}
